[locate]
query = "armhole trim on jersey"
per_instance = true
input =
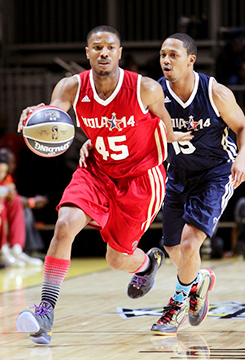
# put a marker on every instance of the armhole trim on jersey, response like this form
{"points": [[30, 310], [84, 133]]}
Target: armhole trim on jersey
{"points": [[145, 111], [210, 87], [76, 98]]}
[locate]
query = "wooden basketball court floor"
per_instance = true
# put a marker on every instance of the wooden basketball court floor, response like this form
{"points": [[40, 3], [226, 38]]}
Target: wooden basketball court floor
{"points": [[94, 318]]}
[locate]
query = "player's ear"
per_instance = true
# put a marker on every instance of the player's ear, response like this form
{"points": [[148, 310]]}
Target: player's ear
{"points": [[120, 52], [192, 59], [87, 52]]}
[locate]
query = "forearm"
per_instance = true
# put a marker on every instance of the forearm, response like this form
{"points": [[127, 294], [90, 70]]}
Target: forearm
{"points": [[240, 140]]}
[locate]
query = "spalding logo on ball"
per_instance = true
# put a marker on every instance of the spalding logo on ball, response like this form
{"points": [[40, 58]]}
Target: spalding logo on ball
{"points": [[49, 131]]}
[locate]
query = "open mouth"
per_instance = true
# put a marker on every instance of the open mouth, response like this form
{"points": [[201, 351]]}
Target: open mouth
{"points": [[104, 63]]}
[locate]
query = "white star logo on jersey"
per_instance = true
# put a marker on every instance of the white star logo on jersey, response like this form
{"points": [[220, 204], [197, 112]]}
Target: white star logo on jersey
{"points": [[86, 99], [167, 100], [114, 122], [192, 125]]}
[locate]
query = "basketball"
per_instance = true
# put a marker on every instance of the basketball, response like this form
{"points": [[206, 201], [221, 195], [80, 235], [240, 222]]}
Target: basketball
{"points": [[49, 131]]}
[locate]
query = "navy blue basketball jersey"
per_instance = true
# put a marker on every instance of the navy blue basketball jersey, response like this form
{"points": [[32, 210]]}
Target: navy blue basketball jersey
{"points": [[211, 144]]}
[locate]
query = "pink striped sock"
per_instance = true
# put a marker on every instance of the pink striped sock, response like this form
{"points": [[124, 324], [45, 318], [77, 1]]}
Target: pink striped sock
{"points": [[54, 273], [144, 266]]}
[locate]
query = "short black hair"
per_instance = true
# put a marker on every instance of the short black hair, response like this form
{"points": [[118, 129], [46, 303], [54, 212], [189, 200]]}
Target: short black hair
{"points": [[8, 157], [3, 158], [105, 28], [188, 43]]}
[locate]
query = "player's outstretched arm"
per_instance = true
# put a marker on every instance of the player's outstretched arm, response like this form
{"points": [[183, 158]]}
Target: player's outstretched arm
{"points": [[64, 93], [152, 97], [63, 97], [233, 116]]}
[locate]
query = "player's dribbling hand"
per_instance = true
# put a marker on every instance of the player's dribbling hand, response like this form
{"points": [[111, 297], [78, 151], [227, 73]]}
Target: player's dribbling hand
{"points": [[25, 114], [84, 152]]}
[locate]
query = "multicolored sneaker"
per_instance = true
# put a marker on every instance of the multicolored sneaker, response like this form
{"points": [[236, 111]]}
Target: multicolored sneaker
{"points": [[38, 324], [198, 304], [142, 284], [174, 314]]}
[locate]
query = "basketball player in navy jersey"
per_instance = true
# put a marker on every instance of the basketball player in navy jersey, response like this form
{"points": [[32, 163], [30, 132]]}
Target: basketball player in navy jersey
{"points": [[202, 175], [122, 187]]}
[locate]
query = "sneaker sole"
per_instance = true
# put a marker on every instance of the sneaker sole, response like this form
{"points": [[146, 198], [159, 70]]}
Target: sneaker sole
{"points": [[211, 285], [43, 338], [168, 333], [27, 323]]}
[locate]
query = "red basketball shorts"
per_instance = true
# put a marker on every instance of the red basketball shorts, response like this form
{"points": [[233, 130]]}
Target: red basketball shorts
{"points": [[124, 208]]}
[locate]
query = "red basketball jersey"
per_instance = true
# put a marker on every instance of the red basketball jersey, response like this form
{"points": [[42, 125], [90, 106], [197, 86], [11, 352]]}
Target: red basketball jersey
{"points": [[128, 140]]}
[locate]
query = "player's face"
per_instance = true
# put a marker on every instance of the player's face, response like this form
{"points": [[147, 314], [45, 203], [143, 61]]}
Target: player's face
{"points": [[174, 60], [104, 52], [3, 171]]}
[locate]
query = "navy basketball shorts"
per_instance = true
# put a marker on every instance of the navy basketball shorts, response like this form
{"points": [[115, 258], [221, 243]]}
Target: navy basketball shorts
{"points": [[197, 198]]}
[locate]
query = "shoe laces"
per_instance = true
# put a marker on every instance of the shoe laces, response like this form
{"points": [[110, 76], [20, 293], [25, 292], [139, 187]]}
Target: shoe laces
{"points": [[168, 312], [193, 298], [138, 280], [43, 308]]}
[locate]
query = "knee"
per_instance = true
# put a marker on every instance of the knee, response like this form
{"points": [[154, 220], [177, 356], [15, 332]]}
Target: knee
{"points": [[191, 240], [189, 246], [62, 228], [115, 259]]}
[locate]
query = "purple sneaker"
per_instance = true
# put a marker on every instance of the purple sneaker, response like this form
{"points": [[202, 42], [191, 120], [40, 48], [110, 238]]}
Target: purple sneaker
{"points": [[38, 324], [142, 284]]}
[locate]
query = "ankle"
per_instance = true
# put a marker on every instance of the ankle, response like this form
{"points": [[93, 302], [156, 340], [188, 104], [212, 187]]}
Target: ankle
{"points": [[144, 268]]}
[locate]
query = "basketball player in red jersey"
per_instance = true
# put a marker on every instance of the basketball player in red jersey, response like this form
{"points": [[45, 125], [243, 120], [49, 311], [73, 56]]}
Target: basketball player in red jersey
{"points": [[122, 188]]}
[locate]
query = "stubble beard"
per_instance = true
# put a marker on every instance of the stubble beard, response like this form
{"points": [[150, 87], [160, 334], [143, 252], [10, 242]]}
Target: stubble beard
{"points": [[104, 73]]}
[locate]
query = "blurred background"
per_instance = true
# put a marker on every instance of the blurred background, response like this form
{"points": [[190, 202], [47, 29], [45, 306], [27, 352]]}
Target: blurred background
{"points": [[42, 41]]}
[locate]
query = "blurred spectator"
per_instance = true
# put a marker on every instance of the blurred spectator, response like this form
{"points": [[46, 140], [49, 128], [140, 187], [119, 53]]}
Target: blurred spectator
{"points": [[217, 245], [12, 218], [13, 142], [196, 27], [239, 215], [229, 61], [239, 78], [33, 240]]}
